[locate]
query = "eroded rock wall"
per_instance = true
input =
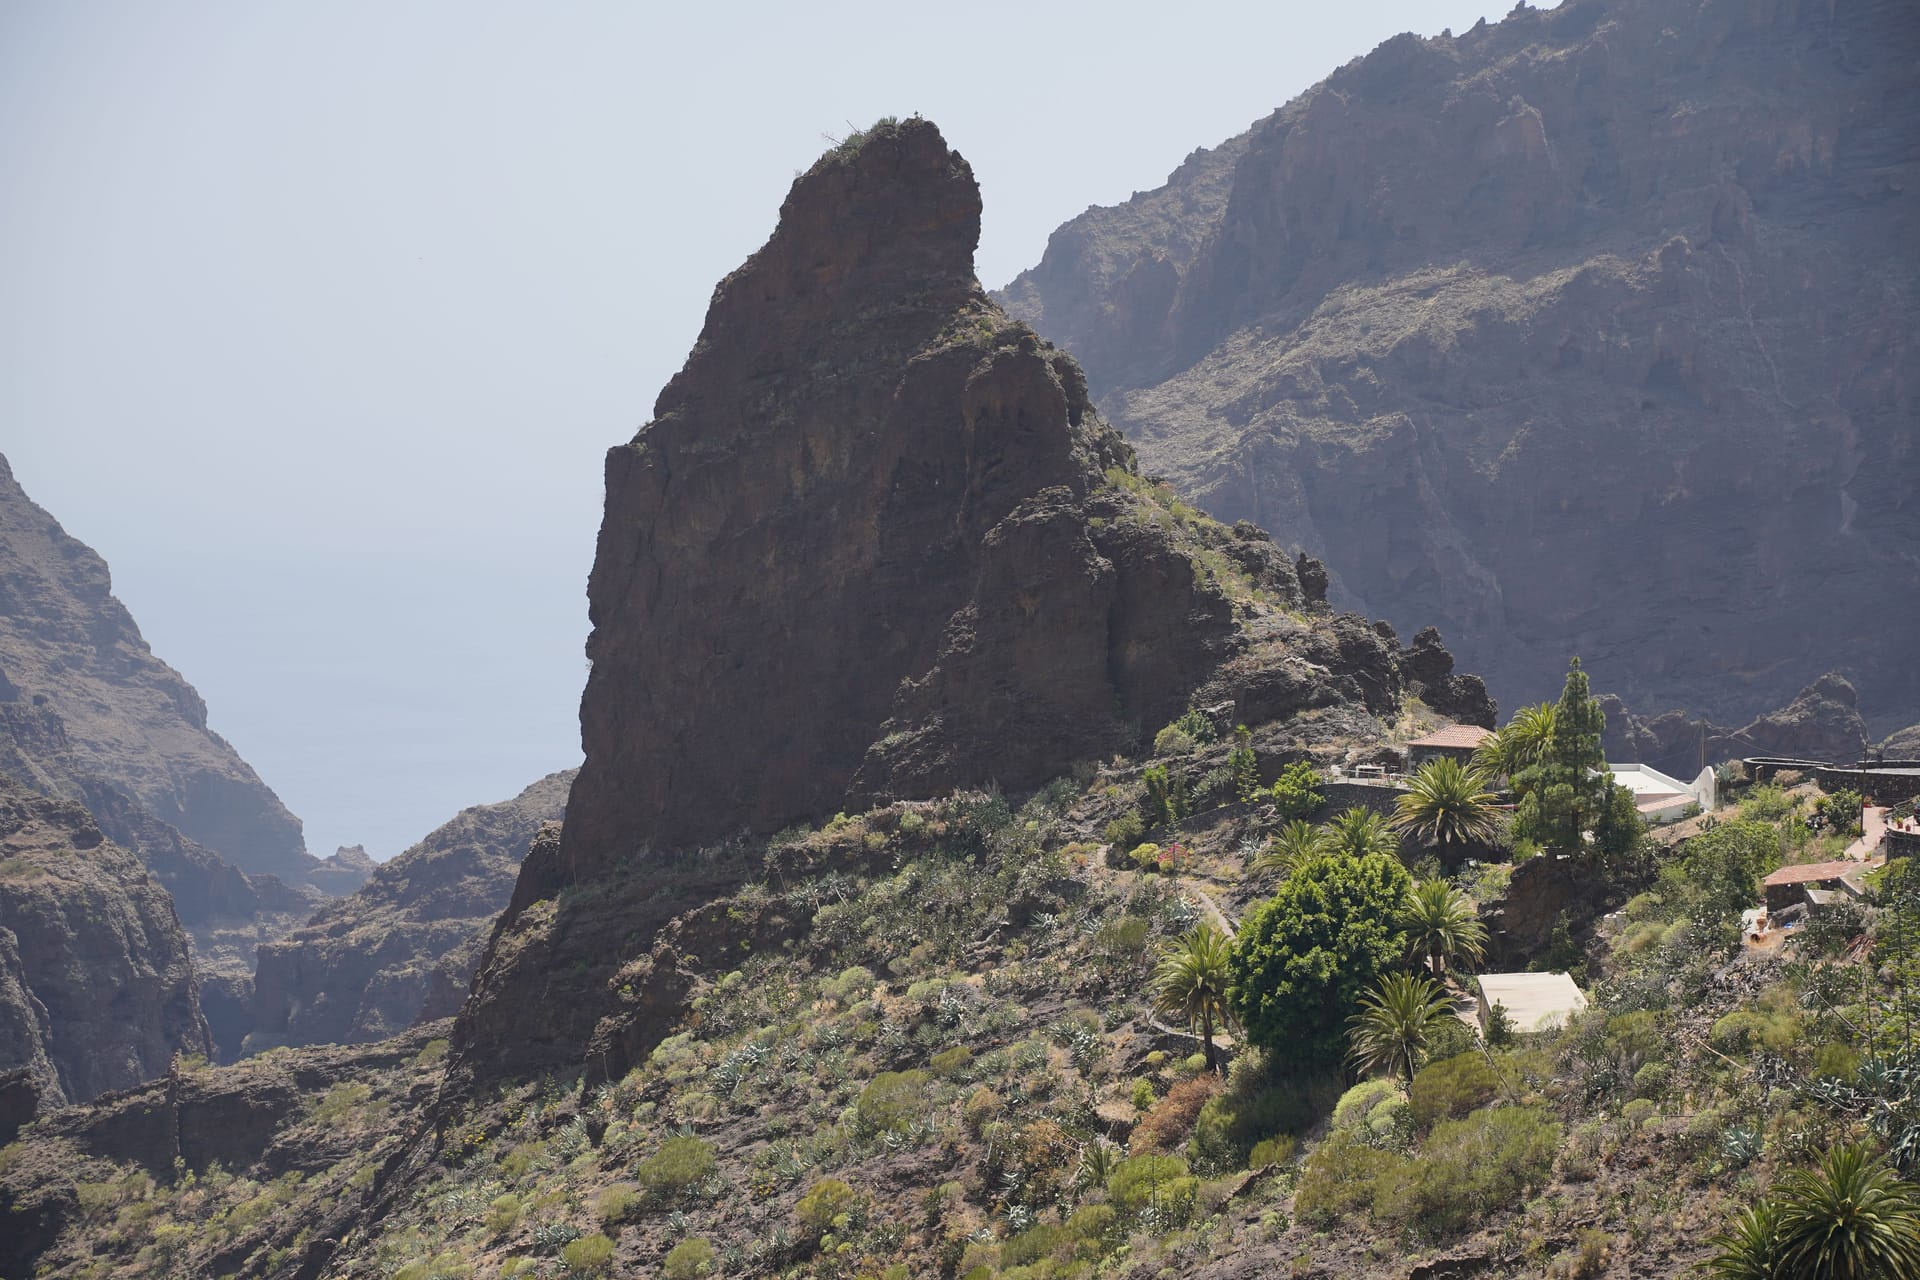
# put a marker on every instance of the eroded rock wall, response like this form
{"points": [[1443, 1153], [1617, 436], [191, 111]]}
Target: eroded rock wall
{"points": [[1583, 332]]}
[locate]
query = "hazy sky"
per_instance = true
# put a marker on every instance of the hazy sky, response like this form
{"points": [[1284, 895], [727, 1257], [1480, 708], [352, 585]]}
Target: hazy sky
{"points": [[316, 319]]}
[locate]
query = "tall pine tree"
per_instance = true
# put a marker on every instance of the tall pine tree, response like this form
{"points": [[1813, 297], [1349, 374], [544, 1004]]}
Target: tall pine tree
{"points": [[1568, 792]]}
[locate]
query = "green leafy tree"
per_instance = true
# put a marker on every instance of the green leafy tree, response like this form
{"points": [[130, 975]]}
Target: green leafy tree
{"points": [[1302, 959], [1395, 1021], [1447, 804], [1293, 792], [1166, 796], [1568, 792], [1359, 832], [1192, 982], [1442, 926], [1290, 846]]}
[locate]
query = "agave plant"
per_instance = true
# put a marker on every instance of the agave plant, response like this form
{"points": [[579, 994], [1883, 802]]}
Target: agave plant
{"points": [[1447, 804], [1396, 1019], [1442, 926], [1192, 982]]}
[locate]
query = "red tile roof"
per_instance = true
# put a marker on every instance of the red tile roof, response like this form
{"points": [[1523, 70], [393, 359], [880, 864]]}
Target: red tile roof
{"points": [[1811, 872], [1454, 735]]}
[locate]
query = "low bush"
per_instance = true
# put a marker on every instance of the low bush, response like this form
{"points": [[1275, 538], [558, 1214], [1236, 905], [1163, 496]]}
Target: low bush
{"points": [[616, 1204], [1450, 1088], [825, 1201], [1152, 1181], [891, 1101], [1172, 1118], [588, 1256], [683, 1161], [688, 1260]]}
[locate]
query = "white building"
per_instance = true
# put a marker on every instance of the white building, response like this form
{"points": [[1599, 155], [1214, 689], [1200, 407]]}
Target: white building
{"points": [[1661, 798], [1533, 1001]]}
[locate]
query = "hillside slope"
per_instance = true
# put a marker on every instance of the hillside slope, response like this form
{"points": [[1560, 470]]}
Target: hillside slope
{"points": [[1584, 331]]}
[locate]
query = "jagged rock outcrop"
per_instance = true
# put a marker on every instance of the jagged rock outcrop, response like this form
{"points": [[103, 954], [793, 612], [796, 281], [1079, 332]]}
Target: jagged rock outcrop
{"points": [[401, 949], [1821, 723], [1586, 331], [96, 982], [1902, 745], [83, 698], [875, 543]]}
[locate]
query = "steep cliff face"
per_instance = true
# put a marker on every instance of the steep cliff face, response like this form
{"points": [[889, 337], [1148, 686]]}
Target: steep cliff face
{"points": [[1585, 331], [75, 675], [401, 950], [96, 981], [875, 543]]}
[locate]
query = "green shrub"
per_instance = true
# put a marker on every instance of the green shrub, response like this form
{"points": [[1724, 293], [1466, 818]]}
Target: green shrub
{"points": [[588, 1256], [503, 1215], [1278, 1150], [1145, 1181], [1142, 1096], [951, 1062], [1172, 741], [891, 1101], [1167, 799], [1125, 831], [850, 987], [616, 1204], [688, 1260], [1450, 1088], [682, 1161], [1747, 1029], [1468, 1169], [1340, 1178], [825, 1201], [983, 1105]]}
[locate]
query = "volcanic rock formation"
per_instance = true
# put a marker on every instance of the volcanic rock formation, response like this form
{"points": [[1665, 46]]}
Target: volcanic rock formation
{"points": [[1821, 723], [401, 950], [875, 543], [96, 983], [82, 697], [1587, 331]]}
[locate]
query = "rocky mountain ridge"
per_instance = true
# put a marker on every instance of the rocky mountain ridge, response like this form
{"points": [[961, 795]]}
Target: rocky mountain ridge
{"points": [[1580, 331], [1823, 722], [877, 544]]}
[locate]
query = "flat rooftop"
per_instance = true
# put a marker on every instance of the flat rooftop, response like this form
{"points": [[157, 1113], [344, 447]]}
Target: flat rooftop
{"points": [[1535, 1001]]}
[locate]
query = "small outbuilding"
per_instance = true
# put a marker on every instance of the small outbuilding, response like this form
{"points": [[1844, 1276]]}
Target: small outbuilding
{"points": [[1533, 1001], [1459, 741], [1790, 885]]}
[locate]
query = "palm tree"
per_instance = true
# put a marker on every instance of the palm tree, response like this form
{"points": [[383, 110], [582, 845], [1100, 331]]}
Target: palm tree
{"points": [[1442, 925], [1850, 1219], [1395, 1020], [1294, 843], [1359, 832], [1520, 744], [1446, 804], [1192, 982]]}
